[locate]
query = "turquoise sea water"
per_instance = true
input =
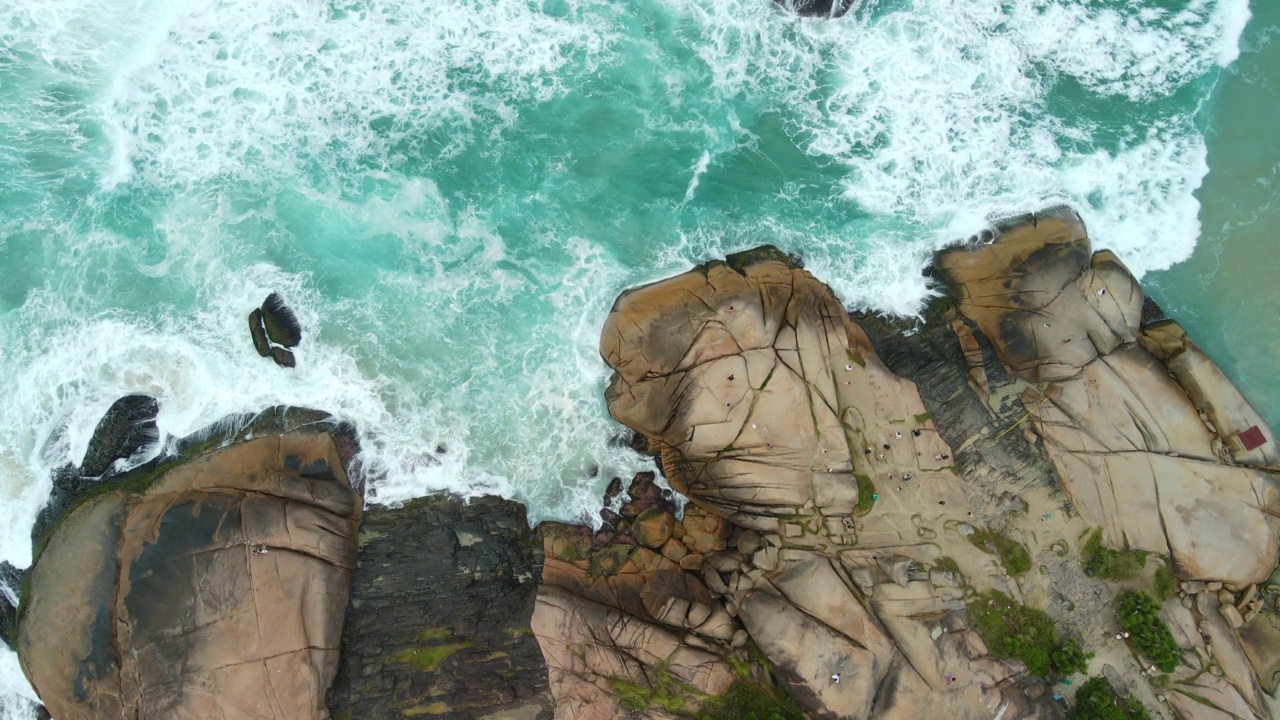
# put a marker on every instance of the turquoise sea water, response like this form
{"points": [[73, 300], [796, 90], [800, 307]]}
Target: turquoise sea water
{"points": [[452, 193]]}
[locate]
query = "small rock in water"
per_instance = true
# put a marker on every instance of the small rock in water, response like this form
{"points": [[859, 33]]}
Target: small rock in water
{"points": [[281, 324], [283, 357], [259, 333], [275, 329]]}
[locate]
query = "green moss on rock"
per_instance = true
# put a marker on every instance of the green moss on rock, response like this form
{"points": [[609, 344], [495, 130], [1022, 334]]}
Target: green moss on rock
{"points": [[428, 657]]}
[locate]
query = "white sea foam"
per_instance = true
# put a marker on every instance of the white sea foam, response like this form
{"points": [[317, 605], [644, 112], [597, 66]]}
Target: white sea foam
{"points": [[233, 87], [940, 113]]}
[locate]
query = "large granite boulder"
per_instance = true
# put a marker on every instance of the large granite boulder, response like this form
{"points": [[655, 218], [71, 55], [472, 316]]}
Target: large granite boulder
{"points": [[1148, 437], [210, 584], [846, 518]]}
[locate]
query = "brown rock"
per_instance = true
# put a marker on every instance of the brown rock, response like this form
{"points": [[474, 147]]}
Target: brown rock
{"points": [[1231, 615], [652, 528], [1118, 406], [258, 534]]}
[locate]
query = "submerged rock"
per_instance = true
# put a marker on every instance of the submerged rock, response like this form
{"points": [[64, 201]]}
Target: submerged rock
{"points": [[207, 585], [817, 8]]}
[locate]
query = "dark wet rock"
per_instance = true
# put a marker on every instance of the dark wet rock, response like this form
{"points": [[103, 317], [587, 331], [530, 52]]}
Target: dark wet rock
{"points": [[643, 494], [1152, 313], [610, 517], [275, 329], [282, 326], [439, 620], [11, 577], [631, 439], [259, 333], [128, 427], [283, 357], [613, 491], [817, 8]]}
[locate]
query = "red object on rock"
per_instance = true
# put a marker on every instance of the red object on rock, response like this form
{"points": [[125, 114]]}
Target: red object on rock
{"points": [[1253, 438]]}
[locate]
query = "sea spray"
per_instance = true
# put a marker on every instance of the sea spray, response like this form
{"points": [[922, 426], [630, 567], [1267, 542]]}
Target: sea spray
{"points": [[452, 194]]}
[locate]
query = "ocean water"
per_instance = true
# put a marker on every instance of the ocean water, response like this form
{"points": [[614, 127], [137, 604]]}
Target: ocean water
{"points": [[451, 194]]}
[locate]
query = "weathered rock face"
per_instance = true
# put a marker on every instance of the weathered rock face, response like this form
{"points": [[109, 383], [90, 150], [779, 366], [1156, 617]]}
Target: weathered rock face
{"points": [[213, 585], [1144, 430], [439, 621], [770, 409], [619, 607]]}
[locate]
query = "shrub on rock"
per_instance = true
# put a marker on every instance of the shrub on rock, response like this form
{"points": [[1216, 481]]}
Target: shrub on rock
{"points": [[1139, 615], [1028, 634], [1095, 700]]}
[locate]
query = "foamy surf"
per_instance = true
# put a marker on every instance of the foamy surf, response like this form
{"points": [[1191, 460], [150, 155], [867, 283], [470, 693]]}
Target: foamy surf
{"points": [[452, 194]]}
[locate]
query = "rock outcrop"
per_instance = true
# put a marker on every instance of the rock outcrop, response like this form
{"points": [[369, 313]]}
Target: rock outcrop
{"points": [[275, 330], [128, 428], [619, 607], [439, 621], [121, 437], [210, 584], [771, 410], [1144, 430]]}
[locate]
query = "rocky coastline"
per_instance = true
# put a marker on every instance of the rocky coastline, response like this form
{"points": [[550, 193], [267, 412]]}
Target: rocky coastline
{"points": [[881, 518]]}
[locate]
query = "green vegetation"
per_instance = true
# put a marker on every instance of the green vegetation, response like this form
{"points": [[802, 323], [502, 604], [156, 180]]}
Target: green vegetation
{"points": [[1139, 615], [1012, 554], [1115, 565], [1017, 631], [1165, 583], [749, 700], [667, 692], [429, 657], [1119, 565], [1091, 543], [866, 495], [939, 304], [922, 418], [948, 564], [1095, 700], [609, 559]]}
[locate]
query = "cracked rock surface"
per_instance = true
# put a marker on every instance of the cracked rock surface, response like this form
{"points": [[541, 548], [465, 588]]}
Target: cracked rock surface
{"points": [[1143, 429], [772, 412], [213, 588]]}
